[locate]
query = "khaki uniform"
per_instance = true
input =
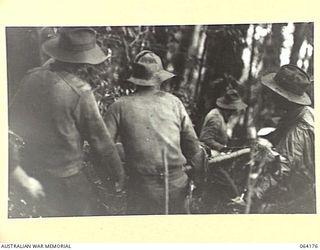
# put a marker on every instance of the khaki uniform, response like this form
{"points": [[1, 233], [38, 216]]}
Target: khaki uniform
{"points": [[148, 122], [54, 112]]}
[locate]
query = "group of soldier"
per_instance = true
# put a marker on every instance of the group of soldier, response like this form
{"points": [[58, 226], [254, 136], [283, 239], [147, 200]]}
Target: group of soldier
{"points": [[55, 111]]}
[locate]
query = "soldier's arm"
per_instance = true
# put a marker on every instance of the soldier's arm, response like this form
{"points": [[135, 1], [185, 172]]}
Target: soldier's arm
{"points": [[191, 149], [297, 150], [190, 144], [209, 134], [32, 186], [96, 133], [112, 120]]}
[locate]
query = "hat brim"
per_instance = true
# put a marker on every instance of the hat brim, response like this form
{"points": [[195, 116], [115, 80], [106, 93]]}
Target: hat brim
{"points": [[91, 56], [240, 105], [156, 79], [268, 81]]}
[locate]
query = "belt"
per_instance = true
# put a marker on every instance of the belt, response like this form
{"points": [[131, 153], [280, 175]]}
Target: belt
{"points": [[175, 172]]}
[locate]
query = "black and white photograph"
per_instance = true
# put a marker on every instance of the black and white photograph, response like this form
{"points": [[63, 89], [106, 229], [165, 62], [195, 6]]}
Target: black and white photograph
{"points": [[161, 120]]}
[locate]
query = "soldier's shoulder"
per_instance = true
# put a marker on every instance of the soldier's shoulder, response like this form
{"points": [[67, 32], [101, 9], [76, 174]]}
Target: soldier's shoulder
{"points": [[309, 114], [124, 100], [214, 116], [77, 84], [214, 112], [45, 67], [307, 119], [169, 96], [36, 74]]}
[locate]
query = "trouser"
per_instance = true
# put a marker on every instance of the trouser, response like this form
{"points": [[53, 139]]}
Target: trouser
{"points": [[68, 196], [146, 194]]}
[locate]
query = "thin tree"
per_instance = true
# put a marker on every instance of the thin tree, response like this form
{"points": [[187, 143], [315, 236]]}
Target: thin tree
{"points": [[298, 38]]}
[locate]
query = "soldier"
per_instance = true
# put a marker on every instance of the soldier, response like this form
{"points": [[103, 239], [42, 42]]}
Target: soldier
{"points": [[55, 111], [214, 136], [294, 191], [214, 130], [148, 122]]}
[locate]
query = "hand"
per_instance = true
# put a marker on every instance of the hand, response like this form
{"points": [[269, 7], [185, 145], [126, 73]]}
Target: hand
{"points": [[224, 149], [118, 187], [264, 143], [34, 188]]}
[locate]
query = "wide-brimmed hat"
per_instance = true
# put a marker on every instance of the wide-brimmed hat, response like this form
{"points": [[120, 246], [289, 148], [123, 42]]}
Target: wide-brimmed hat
{"points": [[75, 45], [147, 70], [290, 82], [231, 100]]}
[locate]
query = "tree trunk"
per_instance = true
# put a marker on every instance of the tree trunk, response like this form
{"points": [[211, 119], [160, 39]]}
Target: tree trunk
{"points": [[192, 62], [180, 59], [310, 39], [273, 44], [298, 38]]}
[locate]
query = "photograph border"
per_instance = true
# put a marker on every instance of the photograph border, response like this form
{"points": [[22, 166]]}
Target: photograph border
{"points": [[171, 228]]}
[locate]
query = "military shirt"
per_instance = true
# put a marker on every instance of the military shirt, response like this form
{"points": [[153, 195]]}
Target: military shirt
{"points": [[214, 130], [55, 111], [294, 140], [148, 122]]}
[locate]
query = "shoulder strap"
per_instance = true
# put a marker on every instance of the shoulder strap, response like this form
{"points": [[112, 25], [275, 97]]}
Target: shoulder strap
{"points": [[74, 82]]}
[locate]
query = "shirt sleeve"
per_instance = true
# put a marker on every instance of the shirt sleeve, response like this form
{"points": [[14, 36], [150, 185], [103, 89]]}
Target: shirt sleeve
{"points": [[297, 158], [190, 147], [96, 133], [189, 141], [210, 133], [298, 150], [112, 120]]}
